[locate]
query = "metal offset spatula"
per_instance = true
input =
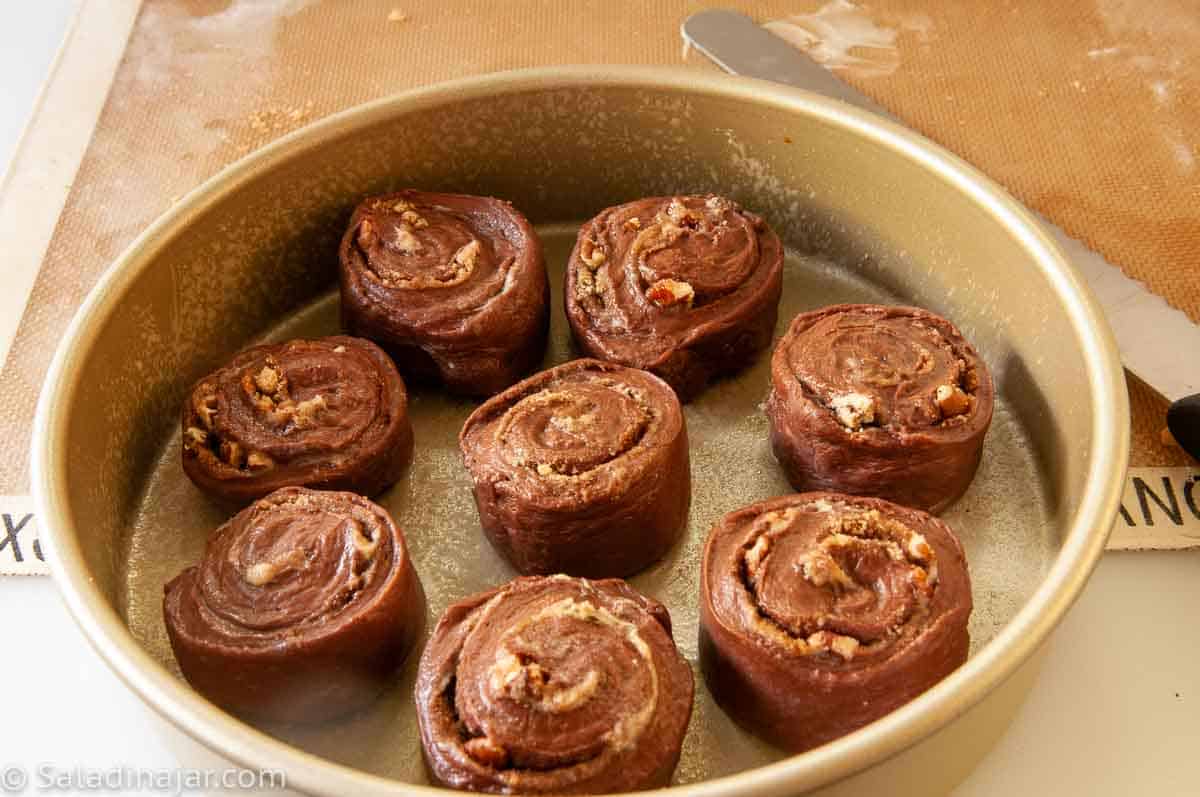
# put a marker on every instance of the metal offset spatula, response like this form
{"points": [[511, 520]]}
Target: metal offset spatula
{"points": [[1158, 343]]}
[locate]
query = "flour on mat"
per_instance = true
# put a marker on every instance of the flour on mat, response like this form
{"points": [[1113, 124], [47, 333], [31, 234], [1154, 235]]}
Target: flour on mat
{"points": [[243, 31], [175, 59], [1171, 32], [1185, 155], [843, 36]]}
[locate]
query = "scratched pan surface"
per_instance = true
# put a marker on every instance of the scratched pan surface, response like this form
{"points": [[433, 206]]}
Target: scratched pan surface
{"points": [[868, 215]]}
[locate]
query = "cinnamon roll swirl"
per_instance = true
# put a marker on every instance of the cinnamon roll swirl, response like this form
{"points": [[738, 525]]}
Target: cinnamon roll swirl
{"points": [[303, 606], [822, 612], [329, 413], [453, 287], [884, 401], [554, 685], [582, 469], [686, 287]]}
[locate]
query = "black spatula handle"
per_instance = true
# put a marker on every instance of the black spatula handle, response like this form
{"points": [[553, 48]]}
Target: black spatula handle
{"points": [[1183, 419]]}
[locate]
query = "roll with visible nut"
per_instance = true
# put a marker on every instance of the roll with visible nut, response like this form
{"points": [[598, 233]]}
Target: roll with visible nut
{"points": [[302, 608], [821, 612], [554, 685], [582, 469], [884, 401], [330, 413], [686, 287], [453, 287]]}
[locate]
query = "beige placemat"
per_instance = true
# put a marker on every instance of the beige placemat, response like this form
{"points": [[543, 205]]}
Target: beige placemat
{"points": [[1088, 113]]}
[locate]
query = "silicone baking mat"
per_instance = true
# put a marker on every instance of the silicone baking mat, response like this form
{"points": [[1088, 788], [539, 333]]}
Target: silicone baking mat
{"points": [[1088, 112]]}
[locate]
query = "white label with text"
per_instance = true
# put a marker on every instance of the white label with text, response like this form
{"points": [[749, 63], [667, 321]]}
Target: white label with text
{"points": [[1159, 510], [20, 549]]}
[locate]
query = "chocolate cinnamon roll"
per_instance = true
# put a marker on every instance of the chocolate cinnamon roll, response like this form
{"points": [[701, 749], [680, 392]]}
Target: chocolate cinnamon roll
{"points": [[884, 401], [686, 287], [452, 286], [303, 606], [581, 469], [821, 612], [553, 685], [329, 413]]}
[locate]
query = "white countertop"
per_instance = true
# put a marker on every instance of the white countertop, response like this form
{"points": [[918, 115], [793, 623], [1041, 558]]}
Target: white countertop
{"points": [[1113, 713], [29, 37]]}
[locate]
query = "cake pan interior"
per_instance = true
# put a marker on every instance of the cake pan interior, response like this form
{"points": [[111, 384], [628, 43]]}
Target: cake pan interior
{"points": [[868, 214]]}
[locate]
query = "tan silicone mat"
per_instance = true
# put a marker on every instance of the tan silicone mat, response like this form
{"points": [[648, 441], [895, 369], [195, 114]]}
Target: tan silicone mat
{"points": [[1088, 112]]}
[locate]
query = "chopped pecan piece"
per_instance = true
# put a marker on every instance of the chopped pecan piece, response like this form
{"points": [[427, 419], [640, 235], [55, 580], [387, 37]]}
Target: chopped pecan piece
{"points": [[267, 380], [195, 436], [417, 221], [844, 646], [951, 400], [465, 257], [232, 453], [257, 460], [682, 215], [585, 284], [591, 254], [918, 548], [406, 242], [206, 408], [853, 410], [670, 293], [307, 410], [367, 236]]}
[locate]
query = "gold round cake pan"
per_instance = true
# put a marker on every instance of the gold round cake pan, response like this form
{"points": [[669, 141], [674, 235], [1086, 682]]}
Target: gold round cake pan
{"points": [[868, 211]]}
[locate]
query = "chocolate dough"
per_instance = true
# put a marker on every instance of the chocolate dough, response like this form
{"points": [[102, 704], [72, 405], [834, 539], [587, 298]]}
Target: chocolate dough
{"points": [[453, 287], [303, 606], [581, 469], [329, 413], [884, 401], [686, 287], [821, 612], [553, 685]]}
